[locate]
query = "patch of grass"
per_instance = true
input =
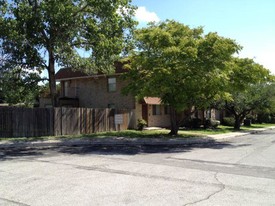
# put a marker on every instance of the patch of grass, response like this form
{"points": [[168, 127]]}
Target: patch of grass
{"points": [[220, 130], [258, 126]]}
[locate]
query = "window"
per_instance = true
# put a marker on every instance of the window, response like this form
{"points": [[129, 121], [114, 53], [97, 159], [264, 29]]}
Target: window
{"points": [[66, 88], [156, 110], [112, 84]]}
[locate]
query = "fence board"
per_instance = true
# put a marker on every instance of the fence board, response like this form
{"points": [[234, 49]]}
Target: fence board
{"points": [[6, 128]]}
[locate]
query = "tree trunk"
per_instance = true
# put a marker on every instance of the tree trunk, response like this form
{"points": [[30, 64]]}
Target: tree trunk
{"points": [[174, 122], [52, 81], [237, 125]]}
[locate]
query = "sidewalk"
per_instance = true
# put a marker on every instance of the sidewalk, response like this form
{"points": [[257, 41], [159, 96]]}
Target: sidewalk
{"points": [[115, 141]]}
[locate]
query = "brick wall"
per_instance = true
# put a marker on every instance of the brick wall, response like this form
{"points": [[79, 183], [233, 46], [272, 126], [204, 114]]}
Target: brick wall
{"points": [[93, 93], [161, 120]]}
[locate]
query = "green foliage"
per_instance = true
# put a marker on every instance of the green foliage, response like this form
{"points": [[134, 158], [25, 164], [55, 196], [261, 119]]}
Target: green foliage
{"points": [[266, 118], [249, 88], [44, 90], [20, 86], [180, 65], [211, 123], [141, 124], [228, 121], [38, 35], [192, 123]]}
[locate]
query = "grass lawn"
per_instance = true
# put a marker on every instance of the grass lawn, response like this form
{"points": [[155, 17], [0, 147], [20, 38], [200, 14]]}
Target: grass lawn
{"points": [[164, 133], [258, 126]]}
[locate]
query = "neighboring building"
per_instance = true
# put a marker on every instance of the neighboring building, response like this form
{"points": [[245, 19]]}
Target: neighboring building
{"points": [[104, 91]]}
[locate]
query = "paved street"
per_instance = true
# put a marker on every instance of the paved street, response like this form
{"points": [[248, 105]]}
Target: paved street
{"points": [[235, 171]]}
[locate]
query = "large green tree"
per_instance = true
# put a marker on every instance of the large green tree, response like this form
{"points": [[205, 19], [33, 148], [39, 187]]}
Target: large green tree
{"points": [[182, 66], [40, 34], [249, 89]]}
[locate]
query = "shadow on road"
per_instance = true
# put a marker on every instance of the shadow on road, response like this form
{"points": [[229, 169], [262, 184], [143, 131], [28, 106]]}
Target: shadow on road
{"points": [[22, 152], [112, 150]]}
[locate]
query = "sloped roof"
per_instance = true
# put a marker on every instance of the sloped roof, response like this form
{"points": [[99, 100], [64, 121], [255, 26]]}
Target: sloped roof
{"points": [[68, 73], [152, 100]]}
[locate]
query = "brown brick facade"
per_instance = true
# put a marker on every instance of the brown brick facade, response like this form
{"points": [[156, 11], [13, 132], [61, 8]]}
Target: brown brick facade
{"points": [[93, 93], [160, 120]]}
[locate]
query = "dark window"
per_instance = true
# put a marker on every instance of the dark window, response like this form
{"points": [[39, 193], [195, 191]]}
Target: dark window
{"points": [[156, 110]]}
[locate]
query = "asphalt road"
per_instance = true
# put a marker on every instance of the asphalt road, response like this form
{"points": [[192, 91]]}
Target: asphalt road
{"points": [[238, 171]]}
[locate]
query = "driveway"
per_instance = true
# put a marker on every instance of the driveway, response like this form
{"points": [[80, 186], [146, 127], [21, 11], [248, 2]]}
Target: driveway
{"points": [[234, 171]]}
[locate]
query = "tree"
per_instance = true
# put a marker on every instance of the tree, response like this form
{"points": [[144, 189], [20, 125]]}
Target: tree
{"points": [[38, 34], [19, 86], [249, 88], [180, 65]]}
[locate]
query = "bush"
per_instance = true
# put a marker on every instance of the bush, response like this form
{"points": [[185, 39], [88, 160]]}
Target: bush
{"points": [[252, 118], [193, 123], [141, 124], [265, 118], [272, 118], [211, 123], [228, 121]]}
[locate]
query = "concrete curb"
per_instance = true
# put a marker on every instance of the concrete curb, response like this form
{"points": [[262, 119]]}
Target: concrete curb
{"points": [[106, 142], [121, 141]]}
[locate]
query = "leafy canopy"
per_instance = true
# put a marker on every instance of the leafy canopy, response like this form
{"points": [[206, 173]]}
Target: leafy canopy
{"points": [[249, 87], [180, 65], [38, 34], [19, 86]]}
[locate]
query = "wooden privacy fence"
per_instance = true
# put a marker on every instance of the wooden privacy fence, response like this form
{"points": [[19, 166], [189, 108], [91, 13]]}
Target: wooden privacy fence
{"points": [[33, 122]]}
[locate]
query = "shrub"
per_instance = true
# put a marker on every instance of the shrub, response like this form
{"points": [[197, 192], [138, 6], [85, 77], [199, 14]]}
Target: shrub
{"points": [[193, 123], [252, 118], [228, 121], [272, 118], [211, 123], [265, 118], [141, 124]]}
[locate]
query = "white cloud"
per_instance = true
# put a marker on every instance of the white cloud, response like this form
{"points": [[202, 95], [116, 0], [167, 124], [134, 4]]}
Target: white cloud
{"points": [[145, 16], [267, 60], [263, 56]]}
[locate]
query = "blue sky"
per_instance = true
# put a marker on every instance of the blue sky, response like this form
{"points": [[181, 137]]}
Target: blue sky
{"points": [[250, 22]]}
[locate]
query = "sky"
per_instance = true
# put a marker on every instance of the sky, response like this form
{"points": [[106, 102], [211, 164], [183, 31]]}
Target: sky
{"points": [[250, 22]]}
